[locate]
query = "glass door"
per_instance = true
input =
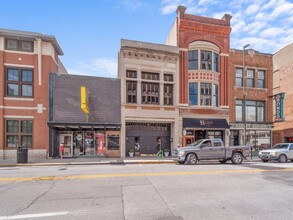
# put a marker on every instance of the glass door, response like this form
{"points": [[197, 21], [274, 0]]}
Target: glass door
{"points": [[66, 140]]}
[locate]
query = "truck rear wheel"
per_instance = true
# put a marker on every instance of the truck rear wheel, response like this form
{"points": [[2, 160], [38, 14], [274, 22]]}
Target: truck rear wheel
{"points": [[191, 159], [237, 158]]}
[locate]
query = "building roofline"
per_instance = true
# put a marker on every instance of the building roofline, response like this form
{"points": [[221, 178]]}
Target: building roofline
{"points": [[31, 36], [282, 48], [149, 46], [256, 52]]}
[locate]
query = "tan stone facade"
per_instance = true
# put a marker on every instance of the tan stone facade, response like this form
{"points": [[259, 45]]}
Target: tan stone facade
{"points": [[41, 60], [149, 98], [282, 74]]}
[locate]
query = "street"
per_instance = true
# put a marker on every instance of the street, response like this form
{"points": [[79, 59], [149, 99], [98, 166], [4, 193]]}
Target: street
{"points": [[208, 190]]}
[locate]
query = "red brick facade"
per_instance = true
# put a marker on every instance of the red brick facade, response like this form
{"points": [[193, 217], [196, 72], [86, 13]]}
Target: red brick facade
{"points": [[255, 61], [193, 28], [34, 108]]}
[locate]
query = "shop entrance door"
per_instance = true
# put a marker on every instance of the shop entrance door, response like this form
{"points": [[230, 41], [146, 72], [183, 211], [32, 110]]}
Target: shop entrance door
{"points": [[66, 140]]}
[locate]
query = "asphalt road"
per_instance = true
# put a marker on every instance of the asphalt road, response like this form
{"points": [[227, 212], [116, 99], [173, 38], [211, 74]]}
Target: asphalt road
{"points": [[151, 191]]}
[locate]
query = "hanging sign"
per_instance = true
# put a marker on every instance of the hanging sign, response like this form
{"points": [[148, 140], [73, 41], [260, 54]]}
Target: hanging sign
{"points": [[279, 98]]}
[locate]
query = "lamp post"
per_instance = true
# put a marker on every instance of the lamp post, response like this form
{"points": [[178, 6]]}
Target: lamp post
{"points": [[244, 96]]}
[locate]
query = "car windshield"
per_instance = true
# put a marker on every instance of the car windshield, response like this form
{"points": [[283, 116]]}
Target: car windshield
{"points": [[280, 146], [196, 143]]}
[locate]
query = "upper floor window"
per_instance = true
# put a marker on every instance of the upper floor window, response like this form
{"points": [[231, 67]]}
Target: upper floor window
{"points": [[150, 93], [193, 60], [239, 110], [19, 133], [131, 91], [19, 45], [131, 74], [206, 60], [255, 111], [216, 95], [261, 79], [19, 82], [168, 94], [216, 62], [250, 78], [193, 93], [239, 77], [150, 76], [205, 94], [168, 77]]}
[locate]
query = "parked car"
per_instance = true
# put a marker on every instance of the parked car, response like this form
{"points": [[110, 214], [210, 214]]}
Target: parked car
{"points": [[281, 152], [210, 149]]}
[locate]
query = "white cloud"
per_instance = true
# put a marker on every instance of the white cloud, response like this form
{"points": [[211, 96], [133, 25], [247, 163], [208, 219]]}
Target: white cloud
{"points": [[272, 4], [252, 9], [284, 9], [265, 24], [170, 8], [207, 2], [105, 67], [219, 15], [259, 44], [271, 32]]}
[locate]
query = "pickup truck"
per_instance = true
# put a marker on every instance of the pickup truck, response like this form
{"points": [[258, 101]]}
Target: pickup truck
{"points": [[210, 149]]}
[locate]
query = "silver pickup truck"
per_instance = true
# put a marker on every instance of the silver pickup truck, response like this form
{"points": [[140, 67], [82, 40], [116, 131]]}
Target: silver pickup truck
{"points": [[210, 149]]}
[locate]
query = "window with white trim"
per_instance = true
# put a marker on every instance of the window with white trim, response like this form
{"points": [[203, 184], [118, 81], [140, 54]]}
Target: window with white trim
{"points": [[19, 82], [19, 133]]}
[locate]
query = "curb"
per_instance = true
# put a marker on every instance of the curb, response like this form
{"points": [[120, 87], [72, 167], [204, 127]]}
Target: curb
{"points": [[87, 163]]}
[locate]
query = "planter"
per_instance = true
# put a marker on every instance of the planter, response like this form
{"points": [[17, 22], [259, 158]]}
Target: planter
{"points": [[130, 153], [166, 153]]}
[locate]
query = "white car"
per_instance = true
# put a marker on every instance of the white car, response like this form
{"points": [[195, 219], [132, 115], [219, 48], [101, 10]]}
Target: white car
{"points": [[281, 152]]}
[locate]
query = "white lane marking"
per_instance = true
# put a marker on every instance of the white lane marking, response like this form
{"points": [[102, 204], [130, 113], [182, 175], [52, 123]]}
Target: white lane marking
{"points": [[40, 215]]}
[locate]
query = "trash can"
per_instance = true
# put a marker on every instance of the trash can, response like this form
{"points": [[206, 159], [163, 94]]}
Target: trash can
{"points": [[22, 155]]}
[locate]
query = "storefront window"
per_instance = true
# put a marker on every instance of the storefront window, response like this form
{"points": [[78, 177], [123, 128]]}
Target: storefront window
{"points": [[234, 138], [259, 140], [113, 142]]}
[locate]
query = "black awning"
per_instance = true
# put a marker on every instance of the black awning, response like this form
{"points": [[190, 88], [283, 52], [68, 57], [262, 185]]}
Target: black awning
{"points": [[205, 123], [83, 125]]}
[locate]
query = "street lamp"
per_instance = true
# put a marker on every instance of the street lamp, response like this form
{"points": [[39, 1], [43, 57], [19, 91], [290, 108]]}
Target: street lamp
{"points": [[244, 96]]}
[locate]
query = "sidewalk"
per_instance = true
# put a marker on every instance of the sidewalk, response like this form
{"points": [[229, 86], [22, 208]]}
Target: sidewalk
{"points": [[95, 161]]}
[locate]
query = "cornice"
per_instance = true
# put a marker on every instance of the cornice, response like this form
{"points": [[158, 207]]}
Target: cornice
{"points": [[149, 55], [223, 31]]}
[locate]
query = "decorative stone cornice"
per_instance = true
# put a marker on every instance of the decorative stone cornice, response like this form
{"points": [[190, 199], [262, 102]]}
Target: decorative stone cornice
{"points": [[149, 55]]}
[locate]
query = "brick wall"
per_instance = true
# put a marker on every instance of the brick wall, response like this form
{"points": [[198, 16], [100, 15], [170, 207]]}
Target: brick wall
{"points": [[27, 107], [253, 60]]}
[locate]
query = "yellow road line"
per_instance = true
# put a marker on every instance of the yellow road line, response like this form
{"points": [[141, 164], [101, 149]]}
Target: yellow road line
{"points": [[95, 176]]}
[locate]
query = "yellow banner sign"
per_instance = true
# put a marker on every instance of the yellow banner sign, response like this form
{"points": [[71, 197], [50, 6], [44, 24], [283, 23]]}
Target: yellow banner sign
{"points": [[84, 104]]}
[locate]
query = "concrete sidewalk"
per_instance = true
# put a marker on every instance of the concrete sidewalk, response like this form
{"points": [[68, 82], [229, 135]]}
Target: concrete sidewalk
{"points": [[95, 161]]}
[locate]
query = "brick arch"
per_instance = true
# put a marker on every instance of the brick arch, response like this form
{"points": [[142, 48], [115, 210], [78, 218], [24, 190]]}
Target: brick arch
{"points": [[191, 39]]}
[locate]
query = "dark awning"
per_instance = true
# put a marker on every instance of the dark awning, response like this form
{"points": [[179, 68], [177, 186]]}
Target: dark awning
{"points": [[205, 123], [84, 125]]}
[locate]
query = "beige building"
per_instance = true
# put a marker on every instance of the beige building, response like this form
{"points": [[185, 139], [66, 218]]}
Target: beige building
{"points": [[283, 95], [149, 97]]}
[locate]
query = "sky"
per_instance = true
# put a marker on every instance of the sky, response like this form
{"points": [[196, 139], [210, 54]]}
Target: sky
{"points": [[89, 31]]}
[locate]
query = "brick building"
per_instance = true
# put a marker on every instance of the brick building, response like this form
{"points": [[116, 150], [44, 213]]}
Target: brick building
{"points": [[283, 95], [26, 59], [256, 83], [204, 45]]}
